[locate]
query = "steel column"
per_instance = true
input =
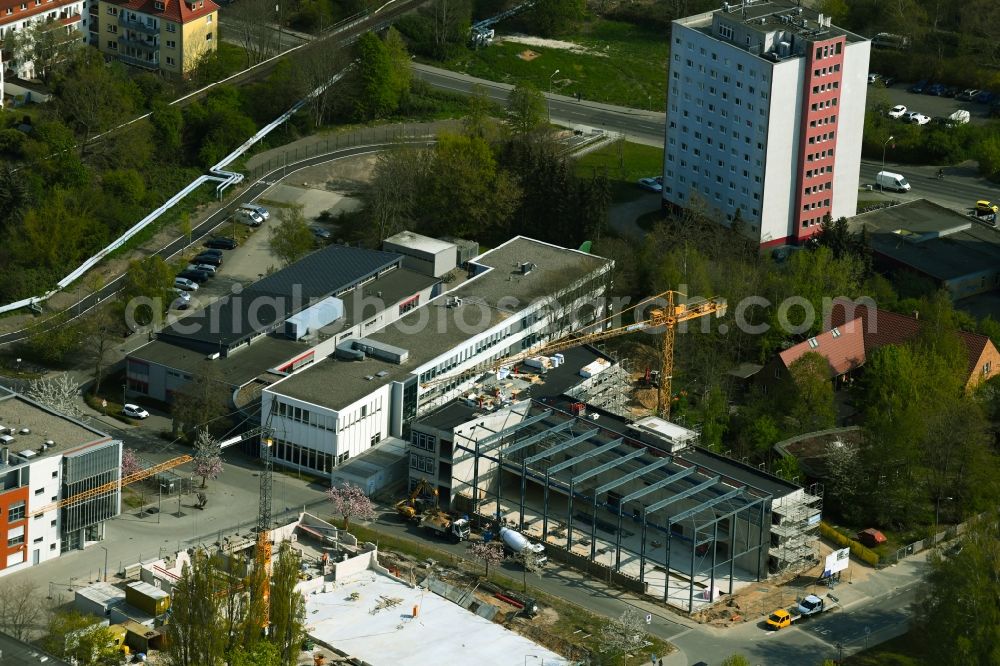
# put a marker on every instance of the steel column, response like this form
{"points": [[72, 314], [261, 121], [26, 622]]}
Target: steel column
{"points": [[569, 517], [545, 508], [593, 529], [618, 539], [670, 538], [475, 481], [715, 551], [760, 539], [642, 550], [524, 488], [691, 574]]}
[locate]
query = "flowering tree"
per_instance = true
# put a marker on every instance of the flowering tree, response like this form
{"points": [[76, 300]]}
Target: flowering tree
{"points": [[350, 501], [58, 393], [626, 634], [131, 464], [207, 457], [490, 552]]}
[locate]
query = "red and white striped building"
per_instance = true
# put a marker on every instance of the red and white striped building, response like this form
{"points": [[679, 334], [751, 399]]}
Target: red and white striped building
{"points": [[765, 113]]}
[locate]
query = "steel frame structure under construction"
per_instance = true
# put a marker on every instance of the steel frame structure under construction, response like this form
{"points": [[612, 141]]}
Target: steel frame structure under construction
{"points": [[586, 478]]}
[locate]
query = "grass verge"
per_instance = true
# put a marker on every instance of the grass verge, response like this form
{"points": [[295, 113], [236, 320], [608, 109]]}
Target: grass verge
{"points": [[625, 163], [905, 650], [576, 624], [618, 63]]}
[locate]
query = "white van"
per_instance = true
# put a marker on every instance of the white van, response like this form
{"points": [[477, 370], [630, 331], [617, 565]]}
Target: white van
{"points": [[248, 217], [886, 180]]}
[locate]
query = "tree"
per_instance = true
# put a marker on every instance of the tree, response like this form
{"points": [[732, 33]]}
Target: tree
{"points": [[44, 45], [21, 609], [207, 457], [291, 239], [252, 24], [400, 64], [261, 653], [288, 607], [147, 291], [350, 501], [168, 128], [93, 99], [478, 122], [16, 197], [489, 552], [59, 394], [397, 180], [450, 20], [530, 563], [526, 110], [201, 401], [625, 634], [101, 331], [131, 463], [75, 636], [810, 400], [552, 17], [959, 609], [374, 84], [195, 615]]}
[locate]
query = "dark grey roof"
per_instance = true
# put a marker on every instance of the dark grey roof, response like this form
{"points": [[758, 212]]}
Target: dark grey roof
{"points": [[17, 653], [931, 239], [265, 304], [449, 416]]}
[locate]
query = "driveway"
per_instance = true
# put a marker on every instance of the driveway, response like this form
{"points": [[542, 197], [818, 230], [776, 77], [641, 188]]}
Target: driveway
{"points": [[623, 215]]}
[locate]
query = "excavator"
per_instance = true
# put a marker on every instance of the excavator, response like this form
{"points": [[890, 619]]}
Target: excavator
{"points": [[413, 507]]}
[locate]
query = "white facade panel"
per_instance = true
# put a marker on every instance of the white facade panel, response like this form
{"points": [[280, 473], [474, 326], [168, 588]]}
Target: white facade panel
{"points": [[44, 483], [850, 129], [782, 164]]}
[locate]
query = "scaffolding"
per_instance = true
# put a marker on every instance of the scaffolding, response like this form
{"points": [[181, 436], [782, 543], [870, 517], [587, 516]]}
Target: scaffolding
{"points": [[795, 522]]}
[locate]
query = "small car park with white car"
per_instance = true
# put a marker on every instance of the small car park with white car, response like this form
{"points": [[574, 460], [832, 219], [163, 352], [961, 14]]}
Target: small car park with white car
{"points": [[134, 411]]}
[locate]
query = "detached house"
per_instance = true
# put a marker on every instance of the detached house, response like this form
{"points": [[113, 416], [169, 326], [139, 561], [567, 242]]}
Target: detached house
{"points": [[166, 35]]}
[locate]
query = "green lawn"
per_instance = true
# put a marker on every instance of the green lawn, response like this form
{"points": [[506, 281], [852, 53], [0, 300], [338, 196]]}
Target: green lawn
{"points": [[625, 65], [906, 650], [625, 163]]}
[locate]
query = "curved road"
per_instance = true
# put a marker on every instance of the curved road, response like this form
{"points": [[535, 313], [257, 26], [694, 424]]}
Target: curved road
{"points": [[206, 228]]}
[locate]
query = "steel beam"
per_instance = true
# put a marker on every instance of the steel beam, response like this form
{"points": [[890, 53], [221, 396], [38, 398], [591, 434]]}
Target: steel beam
{"points": [[632, 476], [600, 469], [490, 442], [662, 483], [562, 446], [610, 446], [693, 490], [569, 462], [704, 506], [534, 439]]}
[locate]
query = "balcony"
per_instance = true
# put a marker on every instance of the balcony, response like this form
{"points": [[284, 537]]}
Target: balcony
{"points": [[137, 25], [140, 62], [143, 42]]}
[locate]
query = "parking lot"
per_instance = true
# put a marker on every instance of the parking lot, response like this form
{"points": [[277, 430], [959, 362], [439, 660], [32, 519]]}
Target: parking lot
{"points": [[935, 107]]}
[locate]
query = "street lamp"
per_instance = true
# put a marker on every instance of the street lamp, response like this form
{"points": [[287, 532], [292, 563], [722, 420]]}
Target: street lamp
{"points": [[550, 80], [105, 563], [880, 187], [937, 508], [840, 653]]}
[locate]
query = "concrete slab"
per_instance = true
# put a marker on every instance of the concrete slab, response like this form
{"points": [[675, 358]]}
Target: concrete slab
{"points": [[439, 633], [313, 201]]}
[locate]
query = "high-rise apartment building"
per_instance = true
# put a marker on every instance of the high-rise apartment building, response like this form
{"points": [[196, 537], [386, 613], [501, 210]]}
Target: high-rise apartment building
{"points": [[765, 112]]}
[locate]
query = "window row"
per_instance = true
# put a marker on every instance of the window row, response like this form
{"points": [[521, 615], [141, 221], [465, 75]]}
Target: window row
{"points": [[829, 120], [813, 189], [825, 104], [820, 138], [816, 204], [811, 173], [812, 221], [823, 71], [305, 457], [423, 441], [422, 463], [829, 50], [823, 87], [823, 154]]}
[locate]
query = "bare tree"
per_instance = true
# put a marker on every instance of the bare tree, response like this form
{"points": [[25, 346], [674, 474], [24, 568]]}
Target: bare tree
{"points": [[21, 610], [59, 394], [624, 635], [101, 330], [252, 22], [395, 187], [318, 64]]}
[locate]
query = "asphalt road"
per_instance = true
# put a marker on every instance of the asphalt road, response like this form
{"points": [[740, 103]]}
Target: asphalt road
{"points": [[959, 189], [640, 126], [929, 105]]}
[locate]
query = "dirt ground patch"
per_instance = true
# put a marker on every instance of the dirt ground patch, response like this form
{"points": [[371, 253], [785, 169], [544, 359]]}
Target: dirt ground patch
{"points": [[549, 44]]}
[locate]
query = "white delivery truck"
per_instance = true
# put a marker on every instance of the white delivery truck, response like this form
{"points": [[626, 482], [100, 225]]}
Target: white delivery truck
{"points": [[516, 543], [886, 180]]}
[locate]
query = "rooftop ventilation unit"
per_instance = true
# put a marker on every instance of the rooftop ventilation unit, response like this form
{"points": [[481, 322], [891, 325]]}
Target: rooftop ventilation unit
{"points": [[525, 267]]}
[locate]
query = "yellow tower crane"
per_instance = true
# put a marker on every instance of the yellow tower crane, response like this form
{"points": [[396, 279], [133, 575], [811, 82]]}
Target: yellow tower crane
{"points": [[667, 314]]}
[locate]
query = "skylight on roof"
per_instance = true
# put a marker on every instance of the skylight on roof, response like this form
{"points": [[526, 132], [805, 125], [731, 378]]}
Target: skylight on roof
{"points": [[835, 332], [813, 343]]}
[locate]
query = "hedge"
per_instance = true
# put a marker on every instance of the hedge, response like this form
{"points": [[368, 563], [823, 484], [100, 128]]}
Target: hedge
{"points": [[858, 550]]}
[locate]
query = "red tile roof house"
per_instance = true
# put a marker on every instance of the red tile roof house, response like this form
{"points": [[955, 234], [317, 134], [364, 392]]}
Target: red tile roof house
{"points": [[881, 327], [842, 346]]}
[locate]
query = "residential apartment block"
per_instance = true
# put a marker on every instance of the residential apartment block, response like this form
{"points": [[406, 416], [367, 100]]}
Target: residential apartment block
{"points": [[766, 103], [71, 18], [166, 35], [46, 458]]}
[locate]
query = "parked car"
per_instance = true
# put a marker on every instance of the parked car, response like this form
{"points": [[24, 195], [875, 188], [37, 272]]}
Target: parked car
{"points": [[181, 294], [248, 217], [968, 94], [212, 259], [180, 304], [873, 77], [888, 80], [984, 207], [918, 87], [897, 111], [320, 233], [221, 243], [650, 184], [255, 208], [185, 284], [213, 252], [951, 91], [936, 89], [199, 277], [134, 411], [984, 97], [919, 119], [207, 268]]}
